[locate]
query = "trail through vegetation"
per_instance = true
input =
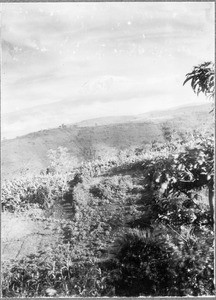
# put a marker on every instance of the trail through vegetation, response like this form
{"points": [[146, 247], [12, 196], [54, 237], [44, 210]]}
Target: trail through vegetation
{"points": [[136, 225]]}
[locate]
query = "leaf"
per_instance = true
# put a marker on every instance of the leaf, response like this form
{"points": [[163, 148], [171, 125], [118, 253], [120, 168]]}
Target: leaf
{"points": [[188, 78], [208, 177]]}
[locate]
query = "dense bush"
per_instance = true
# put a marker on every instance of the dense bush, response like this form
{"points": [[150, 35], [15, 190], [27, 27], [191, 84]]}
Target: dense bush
{"points": [[162, 265]]}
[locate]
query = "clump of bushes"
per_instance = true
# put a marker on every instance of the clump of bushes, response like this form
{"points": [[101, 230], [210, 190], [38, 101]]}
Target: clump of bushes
{"points": [[43, 190], [161, 266]]}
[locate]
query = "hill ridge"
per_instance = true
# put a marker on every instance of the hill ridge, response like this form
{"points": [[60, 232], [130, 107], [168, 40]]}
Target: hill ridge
{"points": [[29, 152]]}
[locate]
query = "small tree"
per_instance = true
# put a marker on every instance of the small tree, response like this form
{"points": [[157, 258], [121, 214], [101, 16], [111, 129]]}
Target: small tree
{"points": [[61, 160], [184, 173], [203, 80]]}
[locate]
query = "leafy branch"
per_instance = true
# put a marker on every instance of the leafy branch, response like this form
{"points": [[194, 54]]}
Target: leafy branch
{"points": [[202, 79]]}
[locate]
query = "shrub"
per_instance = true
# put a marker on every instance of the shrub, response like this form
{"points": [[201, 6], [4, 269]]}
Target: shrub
{"points": [[162, 266], [143, 265]]}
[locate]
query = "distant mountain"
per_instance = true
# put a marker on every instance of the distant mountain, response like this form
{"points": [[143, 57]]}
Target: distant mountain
{"points": [[102, 136], [190, 112], [106, 121], [85, 103]]}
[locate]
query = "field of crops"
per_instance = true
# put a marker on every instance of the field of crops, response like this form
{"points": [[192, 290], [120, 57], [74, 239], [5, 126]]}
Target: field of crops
{"points": [[139, 224]]}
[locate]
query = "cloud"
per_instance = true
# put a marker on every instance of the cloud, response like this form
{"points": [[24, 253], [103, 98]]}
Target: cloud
{"points": [[49, 50]]}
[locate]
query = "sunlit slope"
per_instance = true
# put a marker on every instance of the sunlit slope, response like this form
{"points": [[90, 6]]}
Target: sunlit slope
{"points": [[99, 137]]}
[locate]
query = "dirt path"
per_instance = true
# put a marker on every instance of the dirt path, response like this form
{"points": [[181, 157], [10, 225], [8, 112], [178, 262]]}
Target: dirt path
{"points": [[22, 235]]}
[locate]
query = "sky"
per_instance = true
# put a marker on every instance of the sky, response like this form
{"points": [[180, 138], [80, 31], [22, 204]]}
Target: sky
{"points": [[68, 62]]}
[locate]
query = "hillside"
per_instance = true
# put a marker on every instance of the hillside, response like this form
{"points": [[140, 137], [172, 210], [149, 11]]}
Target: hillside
{"points": [[129, 228], [101, 137]]}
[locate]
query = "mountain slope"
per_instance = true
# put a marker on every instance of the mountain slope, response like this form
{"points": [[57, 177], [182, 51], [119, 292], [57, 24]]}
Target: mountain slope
{"points": [[100, 137]]}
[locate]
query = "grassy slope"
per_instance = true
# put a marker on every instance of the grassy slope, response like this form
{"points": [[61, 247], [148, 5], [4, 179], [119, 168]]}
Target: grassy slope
{"points": [[29, 151]]}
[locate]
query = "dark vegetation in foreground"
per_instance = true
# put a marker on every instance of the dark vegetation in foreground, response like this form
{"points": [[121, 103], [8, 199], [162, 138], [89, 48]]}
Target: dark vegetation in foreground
{"points": [[137, 225]]}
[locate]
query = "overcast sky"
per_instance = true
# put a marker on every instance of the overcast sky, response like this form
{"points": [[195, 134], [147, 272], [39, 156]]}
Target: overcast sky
{"points": [[67, 62]]}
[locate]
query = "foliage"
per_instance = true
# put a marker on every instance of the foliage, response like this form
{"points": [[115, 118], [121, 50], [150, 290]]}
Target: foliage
{"points": [[43, 190], [202, 79], [157, 191], [143, 265], [185, 172], [162, 265], [60, 160], [33, 275]]}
